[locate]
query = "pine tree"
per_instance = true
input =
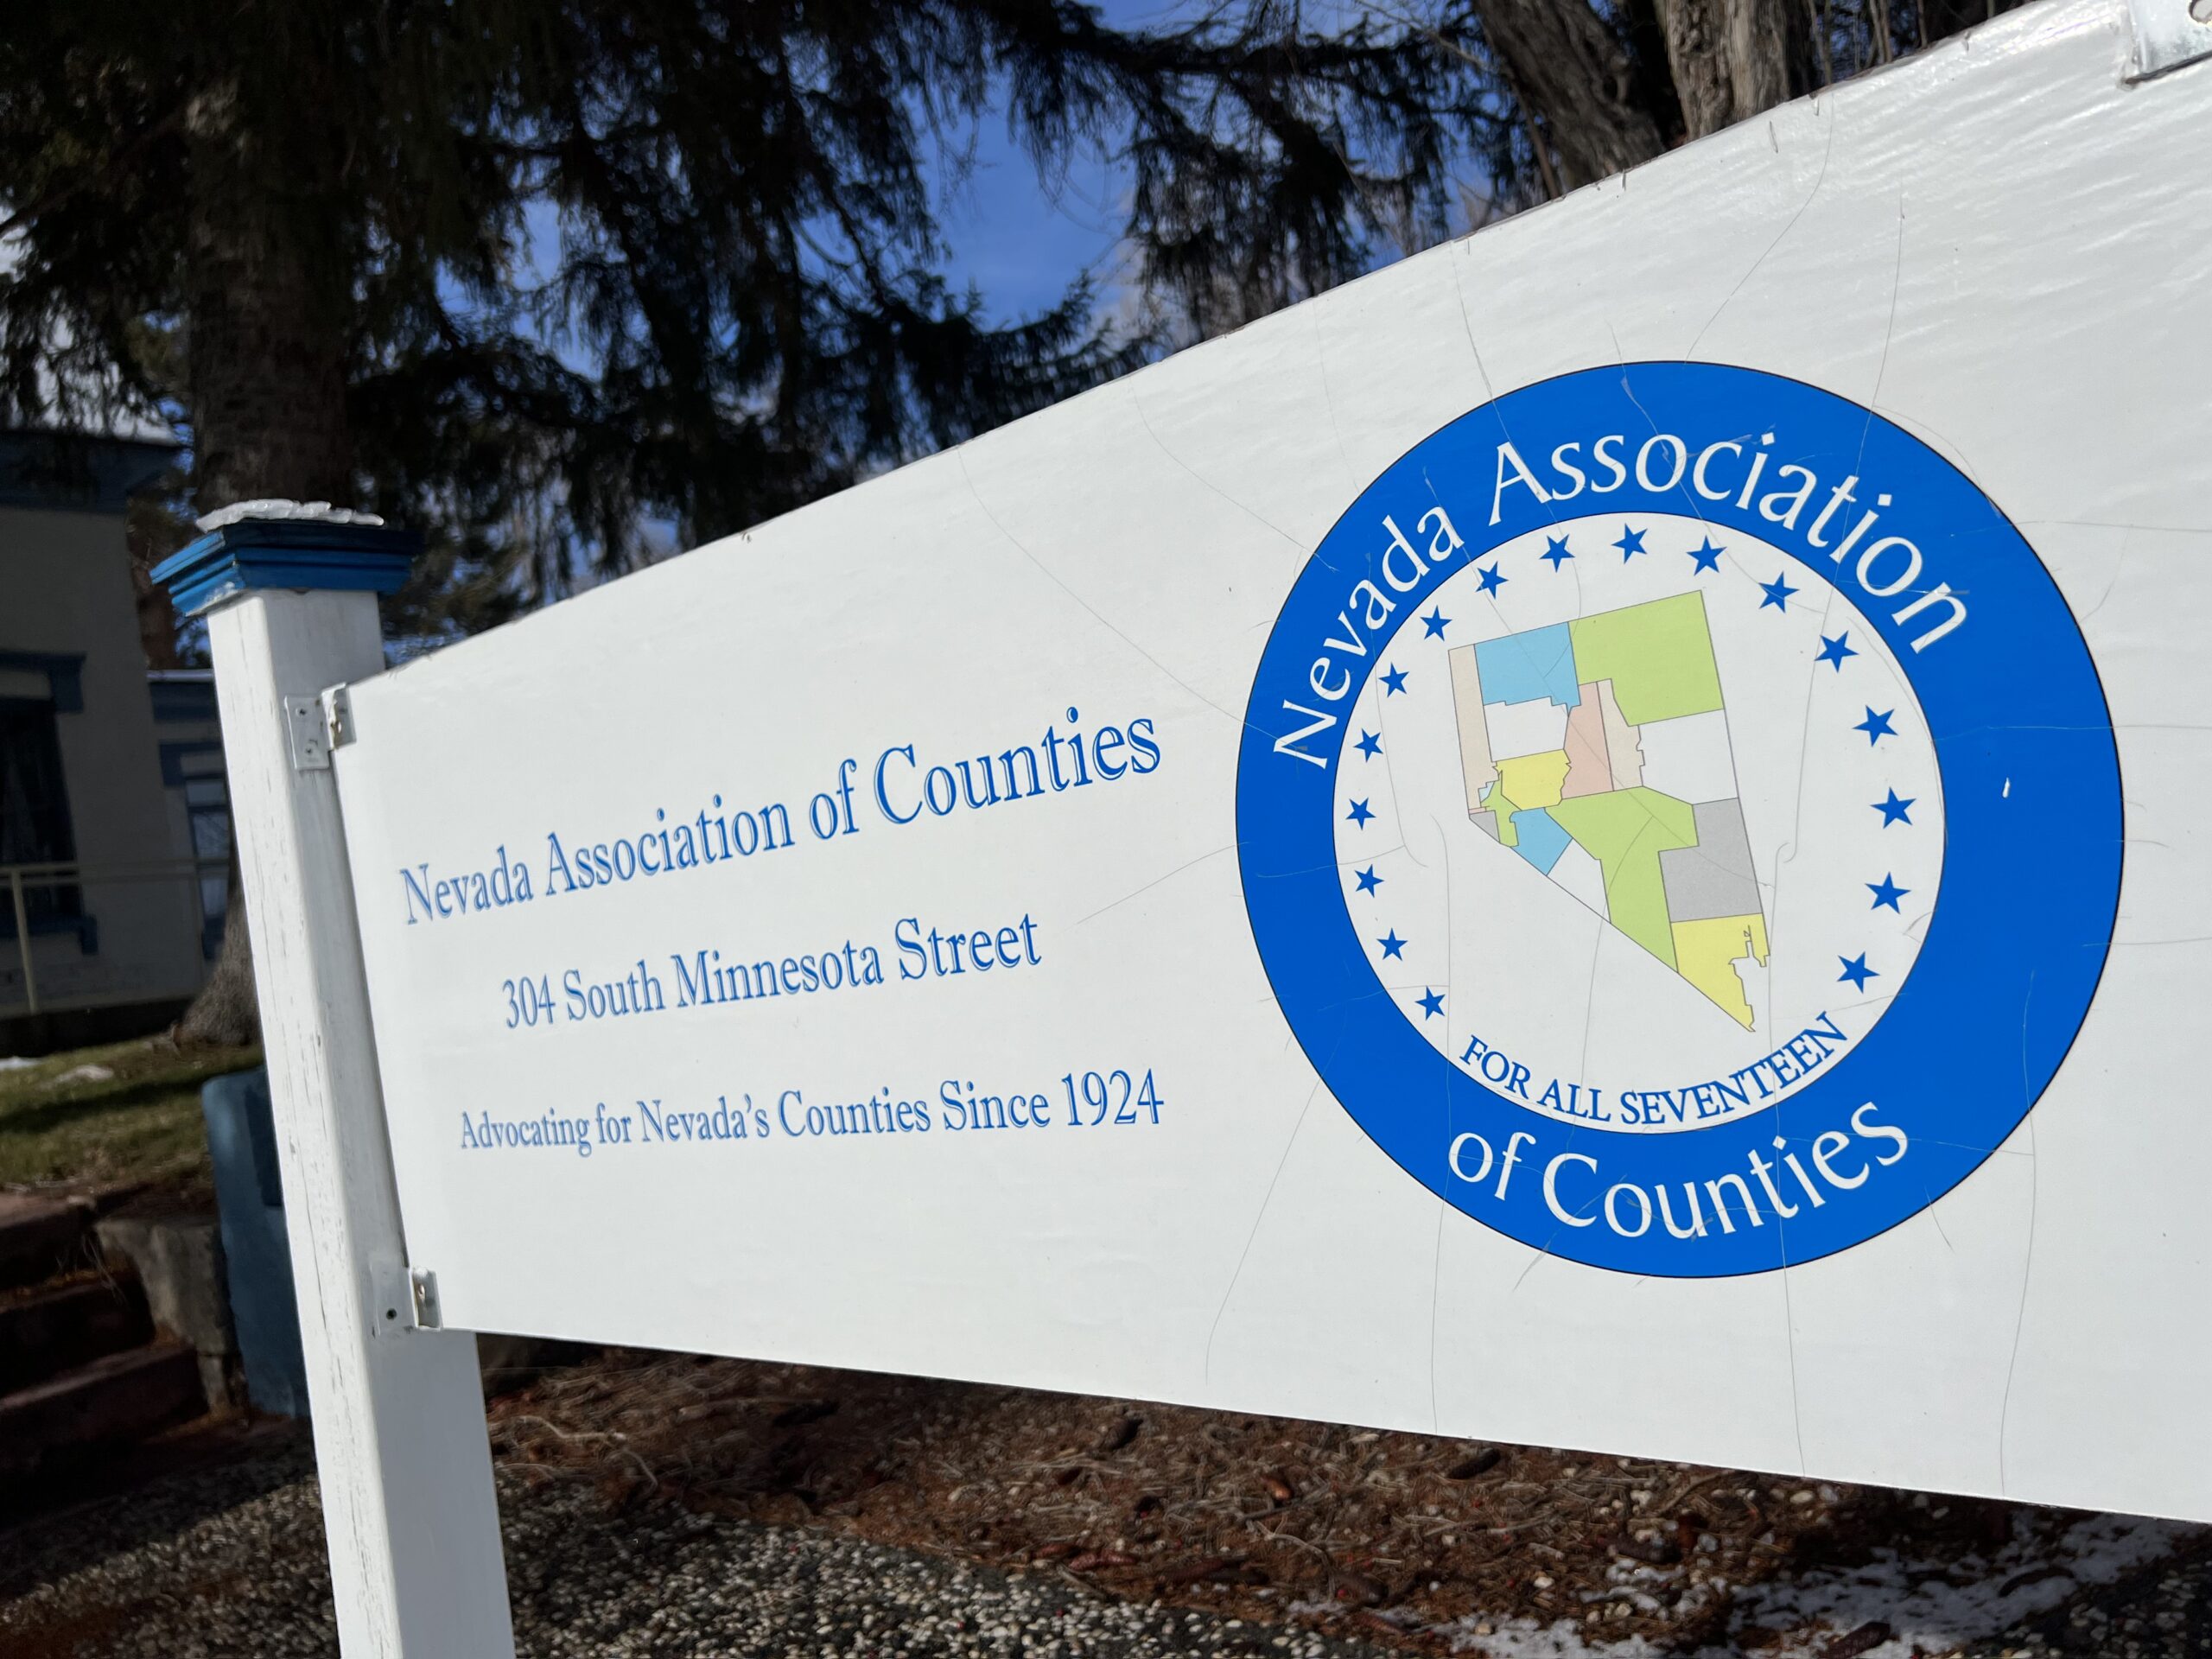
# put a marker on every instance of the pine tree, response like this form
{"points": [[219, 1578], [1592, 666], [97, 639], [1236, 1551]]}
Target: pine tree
{"points": [[528, 274]]}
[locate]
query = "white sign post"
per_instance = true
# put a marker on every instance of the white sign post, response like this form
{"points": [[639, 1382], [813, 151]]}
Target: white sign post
{"points": [[399, 1433], [1533, 848]]}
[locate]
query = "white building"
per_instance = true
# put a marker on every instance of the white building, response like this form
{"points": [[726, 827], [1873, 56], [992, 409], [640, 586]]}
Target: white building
{"points": [[110, 784]]}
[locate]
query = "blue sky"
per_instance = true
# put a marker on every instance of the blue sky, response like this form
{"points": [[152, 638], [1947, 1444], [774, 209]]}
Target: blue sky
{"points": [[1020, 240]]}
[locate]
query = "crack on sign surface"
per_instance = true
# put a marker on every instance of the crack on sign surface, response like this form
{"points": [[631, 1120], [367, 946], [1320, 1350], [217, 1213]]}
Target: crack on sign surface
{"points": [[1251, 512], [1205, 1369], [1789, 1329], [1820, 178], [1156, 881], [1436, 1262], [1888, 333], [2118, 569], [2028, 1254], [1329, 400], [1014, 542], [1489, 392]]}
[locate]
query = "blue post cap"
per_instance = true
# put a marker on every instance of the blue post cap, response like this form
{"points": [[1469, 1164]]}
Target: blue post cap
{"points": [[296, 553]]}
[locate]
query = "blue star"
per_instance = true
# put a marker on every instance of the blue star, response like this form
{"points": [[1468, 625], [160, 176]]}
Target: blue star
{"points": [[1492, 581], [1368, 880], [1876, 726], [1360, 813], [1369, 745], [1887, 892], [1893, 810], [1777, 593], [1431, 1004], [1835, 650], [1435, 622], [1392, 944], [1856, 970], [1707, 558], [1395, 680], [1631, 543], [1555, 553]]}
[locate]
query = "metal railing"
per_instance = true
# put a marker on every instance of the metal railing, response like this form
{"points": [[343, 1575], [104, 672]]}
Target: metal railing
{"points": [[69, 882]]}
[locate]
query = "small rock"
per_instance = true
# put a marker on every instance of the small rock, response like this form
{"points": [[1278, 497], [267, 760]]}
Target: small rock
{"points": [[807, 1411], [1358, 1588], [1480, 1464], [1118, 1436], [1867, 1636], [1091, 1560], [1656, 1552]]}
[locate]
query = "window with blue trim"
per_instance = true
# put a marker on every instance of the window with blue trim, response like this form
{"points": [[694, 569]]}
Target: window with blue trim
{"points": [[35, 825], [207, 801]]}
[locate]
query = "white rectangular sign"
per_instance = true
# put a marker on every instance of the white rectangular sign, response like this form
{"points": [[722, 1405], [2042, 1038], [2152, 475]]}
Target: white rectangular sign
{"points": [[1534, 847]]}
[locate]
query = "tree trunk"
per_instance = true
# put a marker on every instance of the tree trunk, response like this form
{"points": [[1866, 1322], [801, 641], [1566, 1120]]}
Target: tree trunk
{"points": [[266, 359], [227, 1010], [1576, 76], [265, 343], [1730, 59]]}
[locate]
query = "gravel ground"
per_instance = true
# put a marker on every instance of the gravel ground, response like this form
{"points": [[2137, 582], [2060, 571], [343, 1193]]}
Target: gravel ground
{"points": [[1438, 1548], [229, 1562], [226, 1560]]}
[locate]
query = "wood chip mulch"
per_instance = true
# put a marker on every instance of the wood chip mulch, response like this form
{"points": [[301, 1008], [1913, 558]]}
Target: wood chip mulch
{"points": [[1422, 1543]]}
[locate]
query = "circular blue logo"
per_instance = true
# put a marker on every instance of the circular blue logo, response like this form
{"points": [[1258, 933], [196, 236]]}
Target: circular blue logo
{"points": [[1680, 819]]}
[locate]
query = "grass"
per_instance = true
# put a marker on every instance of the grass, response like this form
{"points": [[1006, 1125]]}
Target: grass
{"points": [[121, 1112]]}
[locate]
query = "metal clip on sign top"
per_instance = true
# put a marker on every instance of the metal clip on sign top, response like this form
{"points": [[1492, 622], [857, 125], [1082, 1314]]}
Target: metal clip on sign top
{"points": [[2169, 33], [314, 727]]}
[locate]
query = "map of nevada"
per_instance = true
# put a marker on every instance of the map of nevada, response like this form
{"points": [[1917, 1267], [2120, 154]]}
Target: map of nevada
{"points": [[1597, 750]]}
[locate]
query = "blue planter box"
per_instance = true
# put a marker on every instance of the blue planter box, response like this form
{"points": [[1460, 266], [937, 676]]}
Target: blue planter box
{"points": [[242, 1140]]}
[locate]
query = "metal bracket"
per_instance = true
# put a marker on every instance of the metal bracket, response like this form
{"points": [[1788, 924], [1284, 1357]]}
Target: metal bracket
{"points": [[306, 730], [393, 1313], [2168, 34], [338, 713], [425, 1283], [405, 1301]]}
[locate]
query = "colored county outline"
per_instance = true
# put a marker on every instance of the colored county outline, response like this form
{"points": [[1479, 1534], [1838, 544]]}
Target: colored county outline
{"points": [[1658, 655], [1625, 830], [1538, 838], [1538, 663], [1707, 953], [1677, 874], [1533, 779]]}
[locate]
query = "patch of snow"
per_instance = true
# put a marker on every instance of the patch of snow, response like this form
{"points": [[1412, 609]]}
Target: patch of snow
{"points": [[1523, 1638], [12, 1062], [1926, 1608], [320, 512], [85, 1074]]}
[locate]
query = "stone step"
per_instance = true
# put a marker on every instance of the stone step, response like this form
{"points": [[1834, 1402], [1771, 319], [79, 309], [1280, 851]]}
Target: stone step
{"points": [[52, 1328], [107, 1401], [40, 1236]]}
